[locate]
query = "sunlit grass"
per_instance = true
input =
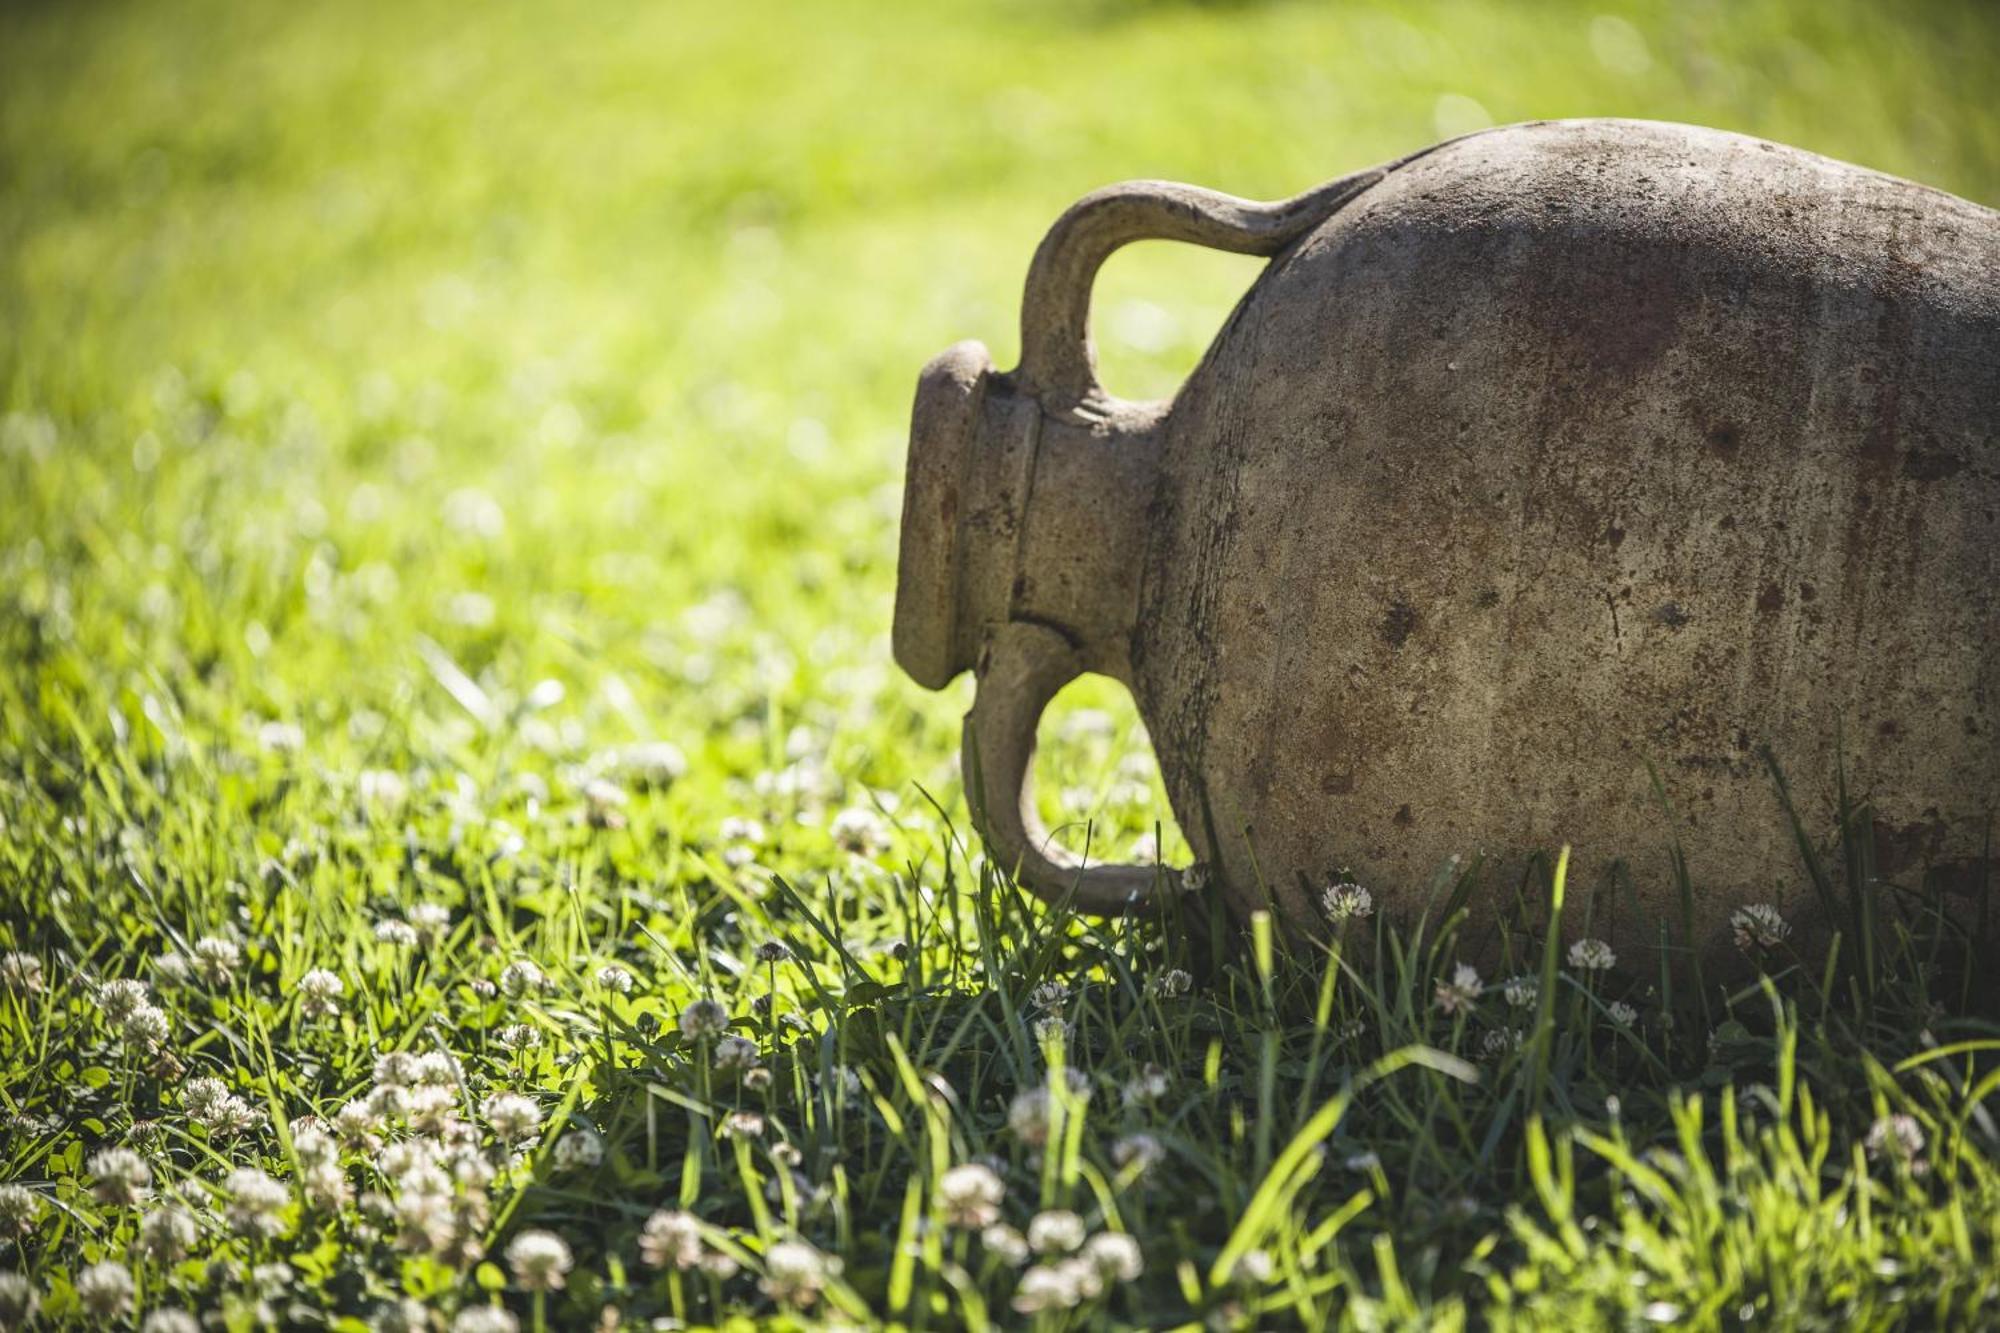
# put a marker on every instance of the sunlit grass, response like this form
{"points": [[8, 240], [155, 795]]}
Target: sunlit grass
{"points": [[449, 467]]}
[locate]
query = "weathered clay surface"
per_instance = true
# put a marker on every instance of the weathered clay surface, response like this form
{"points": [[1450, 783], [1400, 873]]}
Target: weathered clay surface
{"points": [[1552, 455]]}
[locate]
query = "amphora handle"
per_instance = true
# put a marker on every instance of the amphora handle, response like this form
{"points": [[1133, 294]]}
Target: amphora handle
{"points": [[1058, 364], [1023, 667]]}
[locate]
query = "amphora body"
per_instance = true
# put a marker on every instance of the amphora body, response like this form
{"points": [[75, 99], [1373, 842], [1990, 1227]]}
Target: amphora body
{"points": [[1543, 484]]}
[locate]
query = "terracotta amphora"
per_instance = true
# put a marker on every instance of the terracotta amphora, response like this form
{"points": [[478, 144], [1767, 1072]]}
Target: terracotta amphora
{"points": [[1544, 483]]}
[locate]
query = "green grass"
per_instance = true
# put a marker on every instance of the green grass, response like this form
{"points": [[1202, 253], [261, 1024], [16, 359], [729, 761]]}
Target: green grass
{"points": [[406, 410]]}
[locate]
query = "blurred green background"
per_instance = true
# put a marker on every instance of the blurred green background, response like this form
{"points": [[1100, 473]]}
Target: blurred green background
{"points": [[578, 340]]}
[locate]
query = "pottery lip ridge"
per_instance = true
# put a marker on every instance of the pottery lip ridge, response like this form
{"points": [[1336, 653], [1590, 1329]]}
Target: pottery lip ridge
{"points": [[944, 423]]}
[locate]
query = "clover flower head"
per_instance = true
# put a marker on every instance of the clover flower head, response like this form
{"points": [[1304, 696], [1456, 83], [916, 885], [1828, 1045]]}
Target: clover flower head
{"points": [[1116, 1255], [1462, 992], [120, 1176], [1347, 901], [671, 1238], [521, 977], [795, 1273], [969, 1196], [167, 1234], [736, 1054], [1758, 926], [540, 1260], [1592, 955], [1055, 1231], [703, 1019], [106, 1289], [1139, 1152], [512, 1116], [215, 959], [254, 1203]]}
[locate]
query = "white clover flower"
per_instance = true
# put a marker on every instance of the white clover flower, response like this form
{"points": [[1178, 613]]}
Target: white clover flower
{"points": [[605, 802], [1049, 1027], [439, 1069], [540, 1259], [704, 1019], [843, 1081], [1029, 1113], [273, 1280], [1194, 877], [324, 1185], [740, 840], [1005, 1244], [398, 933], [173, 969], [736, 1054], [1363, 1162], [671, 1239], [20, 973], [860, 831], [743, 1125], [1046, 1287], [1253, 1267], [19, 1209], [651, 765], [1521, 992], [737, 828], [1896, 1137], [1347, 901], [1170, 984], [484, 1319], [396, 1069], [795, 1273], [431, 1108], [255, 1203], [1621, 1013], [215, 959], [120, 1176], [319, 993], [356, 1125], [119, 1000], [1758, 926], [520, 1036], [1462, 992], [1140, 1152], [1049, 995], [169, 1319], [147, 1028], [19, 1300], [512, 1116], [106, 1289], [615, 978], [1499, 1041], [521, 977], [1148, 1085], [969, 1196], [1591, 955], [1116, 1255], [1056, 1231], [381, 791], [430, 920], [582, 1147], [167, 1234]]}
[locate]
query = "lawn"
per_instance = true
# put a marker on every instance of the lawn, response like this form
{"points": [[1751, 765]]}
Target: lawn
{"points": [[467, 857]]}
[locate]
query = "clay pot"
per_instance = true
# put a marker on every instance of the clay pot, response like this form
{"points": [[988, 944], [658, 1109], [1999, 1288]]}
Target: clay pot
{"points": [[1542, 482]]}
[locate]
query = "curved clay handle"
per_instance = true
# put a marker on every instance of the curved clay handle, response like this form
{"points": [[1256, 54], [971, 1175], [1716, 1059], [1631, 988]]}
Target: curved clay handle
{"points": [[1024, 665], [1057, 362]]}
